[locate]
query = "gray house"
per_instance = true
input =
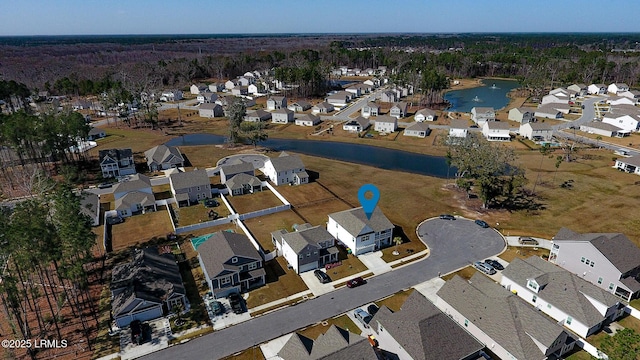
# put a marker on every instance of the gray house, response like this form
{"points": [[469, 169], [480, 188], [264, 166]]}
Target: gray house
{"points": [[370, 109], [257, 116], [229, 171], [417, 129], [230, 263], [389, 96], [95, 134], [609, 260], [242, 183], [276, 102], [335, 344], [322, 108], [399, 110], [90, 206], [190, 187], [210, 110], [134, 196], [282, 116], [299, 106], [116, 162], [163, 157], [307, 248]]}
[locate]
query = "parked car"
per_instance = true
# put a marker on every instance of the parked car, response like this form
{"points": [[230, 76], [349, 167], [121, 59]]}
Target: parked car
{"points": [[217, 307], [494, 264], [112, 220], [447, 217], [104, 185], [526, 240], [235, 300], [485, 268], [211, 203], [136, 332], [322, 276], [363, 317], [355, 282], [372, 309], [482, 223]]}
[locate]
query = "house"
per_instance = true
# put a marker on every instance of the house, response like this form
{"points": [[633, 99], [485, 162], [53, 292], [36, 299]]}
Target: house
{"points": [[627, 122], [340, 98], [285, 169], [163, 157], [282, 116], [398, 110], [308, 120], [522, 115], [190, 187], [216, 87], [374, 82], [300, 106], [386, 124], [116, 162], [230, 170], [609, 260], [90, 206], [276, 102], [210, 110], [361, 235], [579, 89], [480, 115], [425, 115], [242, 183], [536, 131], [420, 331], [597, 89], [581, 306], [617, 88], [206, 97], [95, 134], [335, 344], [81, 104], [621, 100], [175, 95], [356, 90], [196, 89], [230, 84], [370, 109], [548, 111], [389, 96], [254, 89], [630, 164], [322, 108], [308, 248], [458, 128], [257, 116], [496, 131], [499, 319], [631, 94], [147, 287], [240, 90], [356, 125], [417, 129], [603, 129], [230, 263], [559, 98], [134, 196], [245, 80]]}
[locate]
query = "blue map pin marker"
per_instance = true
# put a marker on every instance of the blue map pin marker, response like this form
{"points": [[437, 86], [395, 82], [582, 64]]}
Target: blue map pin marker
{"points": [[368, 205]]}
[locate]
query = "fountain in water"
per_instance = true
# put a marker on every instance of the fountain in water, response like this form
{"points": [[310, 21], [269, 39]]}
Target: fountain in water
{"points": [[476, 99]]}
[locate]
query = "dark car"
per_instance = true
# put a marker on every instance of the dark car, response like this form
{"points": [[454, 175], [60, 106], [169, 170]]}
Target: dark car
{"points": [[526, 240], [482, 223], [136, 332], [235, 300], [355, 282], [104, 185], [372, 309], [447, 217], [217, 307], [211, 203], [322, 276], [494, 264]]}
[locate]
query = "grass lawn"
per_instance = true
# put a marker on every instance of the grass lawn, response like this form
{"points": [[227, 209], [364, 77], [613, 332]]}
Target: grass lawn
{"points": [[394, 302], [406, 248], [261, 227], [305, 194], [253, 353], [635, 303], [317, 213], [138, 229], [252, 202], [342, 321], [350, 266], [189, 215], [522, 253], [580, 355], [629, 322], [465, 273], [281, 282]]}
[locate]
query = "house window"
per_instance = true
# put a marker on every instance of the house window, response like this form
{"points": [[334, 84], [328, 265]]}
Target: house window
{"points": [[301, 257], [535, 298], [611, 286], [225, 280], [599, 280], [548, 306], [466, 322], [569, 320], [587, 262], [234, 260], [592, 263], [253, 266], [365, 238], [308, 254], [198, 188], [532, 285], [582, 260]]}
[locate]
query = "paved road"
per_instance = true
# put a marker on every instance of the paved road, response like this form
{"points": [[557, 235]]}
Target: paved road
{"points": [[588, 113], [454, 244]]}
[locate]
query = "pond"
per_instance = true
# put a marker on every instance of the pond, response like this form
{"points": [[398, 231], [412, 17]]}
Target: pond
{"points": [[492, 94], [382, 158]]}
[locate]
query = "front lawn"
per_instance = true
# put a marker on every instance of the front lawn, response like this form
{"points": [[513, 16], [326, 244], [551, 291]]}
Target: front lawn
{"points": [[281, 283], [342, 321], [522, 253], [394, 302]]}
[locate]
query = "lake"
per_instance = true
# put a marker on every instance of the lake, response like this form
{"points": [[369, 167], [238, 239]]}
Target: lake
{"points": [[492, 94], [382, 158]]}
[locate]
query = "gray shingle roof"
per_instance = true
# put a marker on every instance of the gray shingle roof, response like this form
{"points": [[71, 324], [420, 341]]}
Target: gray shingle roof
{"points": [[355, 220], [164, 154], [503, 316], [602, 126], [184, 180], [309, 117], [335, 344], [498, 125], [386, 119], [115, 154], [616, 247], [298, 240], [425, 332], [221, 246], [426, 112], [283, 111], [562, 289], [459, 124], [135, 182], [239, 180], [286, 162], [540, 126], [133, 198], [89, 204], [297, 347], [324, 105], [633, 160], [241, 167], [418, 126]]}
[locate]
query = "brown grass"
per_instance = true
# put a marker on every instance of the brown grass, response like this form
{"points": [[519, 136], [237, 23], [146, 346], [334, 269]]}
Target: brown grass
{"points": [[252, 202], [465, 273], [189, 215], [342, 321], [262, 227], [281, 282], [317, 214], [522, 253], [138, 229], [350, 266], [253, 353], [304, 194], [394, 302]]}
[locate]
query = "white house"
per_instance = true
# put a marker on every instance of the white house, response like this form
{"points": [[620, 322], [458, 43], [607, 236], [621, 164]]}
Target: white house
{"points": [[579, 305], [206, 97], [171, 95], [628, 122], [341, 98], [210, 110], [386, 124], [240, 90], [276, 102], [356, 125], [548, 111], [496, 131], [417, 129], [425, 115], [631, 94], [603, 129], [285, 169], [617, 88], [398, 110], [308, 120], [229, 84], [134, 196], [370, 109], [359, 234], [322, 108], [621, 100], [253, 89], [300, 106], [196, 89], [522, 115], [458, 128], [282, 116], [480, 115], [580, 89], [630, 164], [536, 131], [597, 89], [257, 116]]}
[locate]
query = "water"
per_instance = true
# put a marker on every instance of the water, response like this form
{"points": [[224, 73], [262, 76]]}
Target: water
{"points": [[382, 158], [492, 94]]}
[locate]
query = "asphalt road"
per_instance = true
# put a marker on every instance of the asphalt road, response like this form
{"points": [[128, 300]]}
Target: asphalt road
{"points": [[453, 244]]}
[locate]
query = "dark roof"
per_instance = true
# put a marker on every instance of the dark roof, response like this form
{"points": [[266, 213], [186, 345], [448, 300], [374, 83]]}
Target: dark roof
{"points": [[134, 197], [239, 180], [633, 160], [209, 106], [261, 114], [417, 126], [216, 252], [164, 154], [286, 162], [355, 220], [96, 131], [241, 167], [335, 344], [115, 154], [459, 124], [425, 332], [89, 204], [133, 183], [298, 240], [184, 180], [616, 247]]}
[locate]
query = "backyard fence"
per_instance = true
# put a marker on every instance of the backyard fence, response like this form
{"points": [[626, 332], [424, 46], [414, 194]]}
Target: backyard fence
{"points": [[263, 212], [202, 225], [276, 193]]}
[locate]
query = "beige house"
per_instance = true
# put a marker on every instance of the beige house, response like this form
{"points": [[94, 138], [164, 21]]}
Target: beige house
{"points": [[190, 187]]}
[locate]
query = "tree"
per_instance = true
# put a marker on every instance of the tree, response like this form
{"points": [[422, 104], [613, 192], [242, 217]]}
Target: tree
{"points": [[254, 132], [235, 113], [544, 151], [598, 138]]}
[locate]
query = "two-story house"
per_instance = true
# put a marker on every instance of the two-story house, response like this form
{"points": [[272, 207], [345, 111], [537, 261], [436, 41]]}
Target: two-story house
{"points": [[286, 169], [617, 88], [134, 196], [496, 131], [116, 162], [276, 102], [386, 124], [361, 235], [163, 157], [579, 305], [522, 115], [282, 116], [230, 263], [335, 344], [597, 89], [458, 129], [307, 248], [370, 109], [227, 171], [399, 110], [480, 115], [210, 110], [609, 260], [190, 187], [536, 131]]}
